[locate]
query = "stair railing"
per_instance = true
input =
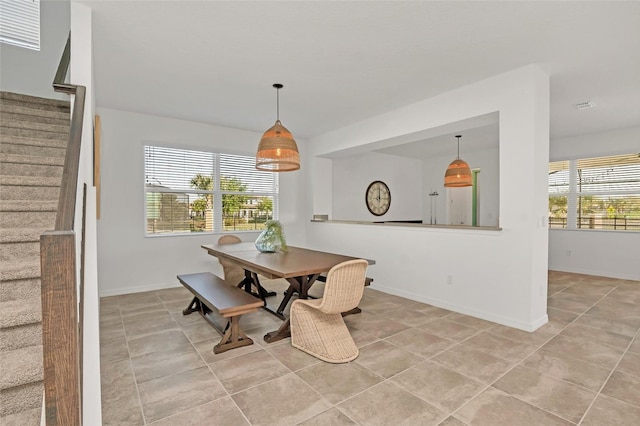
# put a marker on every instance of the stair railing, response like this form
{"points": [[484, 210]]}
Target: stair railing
{"points": [[61, 316]]}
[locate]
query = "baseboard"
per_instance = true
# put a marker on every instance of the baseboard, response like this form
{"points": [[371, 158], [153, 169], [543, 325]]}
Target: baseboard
{"points": [[532, 326], [598, 273], [139, 289]]}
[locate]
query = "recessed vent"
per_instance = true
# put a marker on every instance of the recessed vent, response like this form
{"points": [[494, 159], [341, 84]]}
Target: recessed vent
{"points": [[585, 105]]}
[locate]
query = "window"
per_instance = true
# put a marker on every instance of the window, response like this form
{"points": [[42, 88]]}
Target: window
{"points": [[20, 23], [595, 193], [195, 191]]}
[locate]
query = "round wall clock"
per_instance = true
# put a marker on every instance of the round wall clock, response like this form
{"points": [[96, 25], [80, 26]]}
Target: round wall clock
{"points": [[378, 198]]}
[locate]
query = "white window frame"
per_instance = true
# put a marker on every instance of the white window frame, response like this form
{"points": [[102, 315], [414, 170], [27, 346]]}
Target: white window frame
{"points": [[216, 192], [20, 23], [573, 193]]}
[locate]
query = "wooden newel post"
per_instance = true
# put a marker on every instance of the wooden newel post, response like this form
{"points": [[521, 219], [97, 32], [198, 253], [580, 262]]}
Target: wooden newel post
{"points": [[60, 338]]}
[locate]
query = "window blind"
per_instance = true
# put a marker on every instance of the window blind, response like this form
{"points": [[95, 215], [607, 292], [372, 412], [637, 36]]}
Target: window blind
{"points": [[596, 193], [20, 23], [197, 191]]}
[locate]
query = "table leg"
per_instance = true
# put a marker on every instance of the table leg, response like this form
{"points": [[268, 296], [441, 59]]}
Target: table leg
{"points": [[281, 333]]}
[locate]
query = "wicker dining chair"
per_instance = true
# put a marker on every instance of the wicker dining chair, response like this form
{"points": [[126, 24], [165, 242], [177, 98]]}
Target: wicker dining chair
{"points": [[233, 273], [317, 327]]}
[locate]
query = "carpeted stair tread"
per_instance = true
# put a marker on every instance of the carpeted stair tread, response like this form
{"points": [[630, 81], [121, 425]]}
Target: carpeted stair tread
{"points": [[41, 151], [28, 206], [30, 417], [33, 100], [36, 142], [12, 180], [31, 159], [19, 270], [21, 366], [36, 111], [21, 235], [38, 134], [20, 312], [20, 337], [8, 123], [20, 399], [21, 289], [29, 115]]}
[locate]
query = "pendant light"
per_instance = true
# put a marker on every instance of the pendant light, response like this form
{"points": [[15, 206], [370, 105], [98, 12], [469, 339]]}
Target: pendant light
{"points": [[458, 173], [277, 150]]}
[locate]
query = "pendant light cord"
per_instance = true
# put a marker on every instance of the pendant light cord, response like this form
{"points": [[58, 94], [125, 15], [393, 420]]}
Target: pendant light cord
{"points": [[278, 104], [458, 136]]}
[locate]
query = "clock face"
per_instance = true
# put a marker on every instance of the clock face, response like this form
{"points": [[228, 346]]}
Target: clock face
{"points": [[378, 198]]}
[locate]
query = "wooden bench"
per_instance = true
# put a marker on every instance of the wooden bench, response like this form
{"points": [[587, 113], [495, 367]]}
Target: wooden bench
{"points": [[215, 294]]}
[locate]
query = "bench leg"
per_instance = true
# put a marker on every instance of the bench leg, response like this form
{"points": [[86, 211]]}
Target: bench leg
{"points": [[233, 337], [194, 306]]}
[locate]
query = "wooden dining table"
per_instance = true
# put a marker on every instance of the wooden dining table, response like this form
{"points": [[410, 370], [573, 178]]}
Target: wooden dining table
{"points": [[301, 267]]}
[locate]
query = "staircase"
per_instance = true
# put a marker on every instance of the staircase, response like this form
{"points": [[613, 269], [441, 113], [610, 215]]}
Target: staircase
{"points": [[33, 137]]}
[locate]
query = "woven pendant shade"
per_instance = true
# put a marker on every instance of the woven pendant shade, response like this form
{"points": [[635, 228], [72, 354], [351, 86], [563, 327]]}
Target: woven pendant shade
{"points": [[277, 150], [458, 173]]}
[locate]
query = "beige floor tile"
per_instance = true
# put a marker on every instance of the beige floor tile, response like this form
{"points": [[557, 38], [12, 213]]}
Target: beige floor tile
{"points": [[439, 386], [331, 417], [449, 329], [171, 294], [535, 338], [567, 367], [134, 299], [114, 349], [604, 324], [293, 358], [337, 382], [121, 407], [222, 411], [386, 359], [608, 411], [469, 321], [563, 399], [149, 325], [570, 303], [376, 325], [166, 396], [136, 313], [493, 407], [624, 387], [160, 364], [286, 400], [420, 342], [499, 346], [108, 332], [116, 375], [434, 312], [410, 317], [607, 338], [452, 421], [186, 320], [200, 331], [157, 342], [585, 350], [626, 313], [635, 346], [478, 365], [566, 278], [630, 364], [373, 408], [361, 338], [239, 373], [109, 301]]}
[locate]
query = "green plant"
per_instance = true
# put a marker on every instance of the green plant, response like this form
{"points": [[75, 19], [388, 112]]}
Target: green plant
{"points": [[273, 235]]}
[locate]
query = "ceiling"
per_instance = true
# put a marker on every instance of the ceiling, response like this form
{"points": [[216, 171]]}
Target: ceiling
{"points": [[344, 61]]}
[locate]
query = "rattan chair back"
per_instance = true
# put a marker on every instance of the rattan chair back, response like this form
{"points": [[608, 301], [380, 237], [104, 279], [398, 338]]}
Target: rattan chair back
{"points": [[344, 287]]}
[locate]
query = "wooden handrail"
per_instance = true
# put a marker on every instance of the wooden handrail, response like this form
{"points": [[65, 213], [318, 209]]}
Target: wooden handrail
{"points": [[61, 318]]}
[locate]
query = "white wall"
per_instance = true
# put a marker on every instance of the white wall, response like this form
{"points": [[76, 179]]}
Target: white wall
{"points": [[31, 72], [497, 275], [130, 262], [489, 185], [81, 73], [606, 253], [352, 175]]}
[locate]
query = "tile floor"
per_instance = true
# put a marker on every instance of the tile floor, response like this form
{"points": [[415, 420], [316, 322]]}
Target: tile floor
{"points": [[418, 365]]}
